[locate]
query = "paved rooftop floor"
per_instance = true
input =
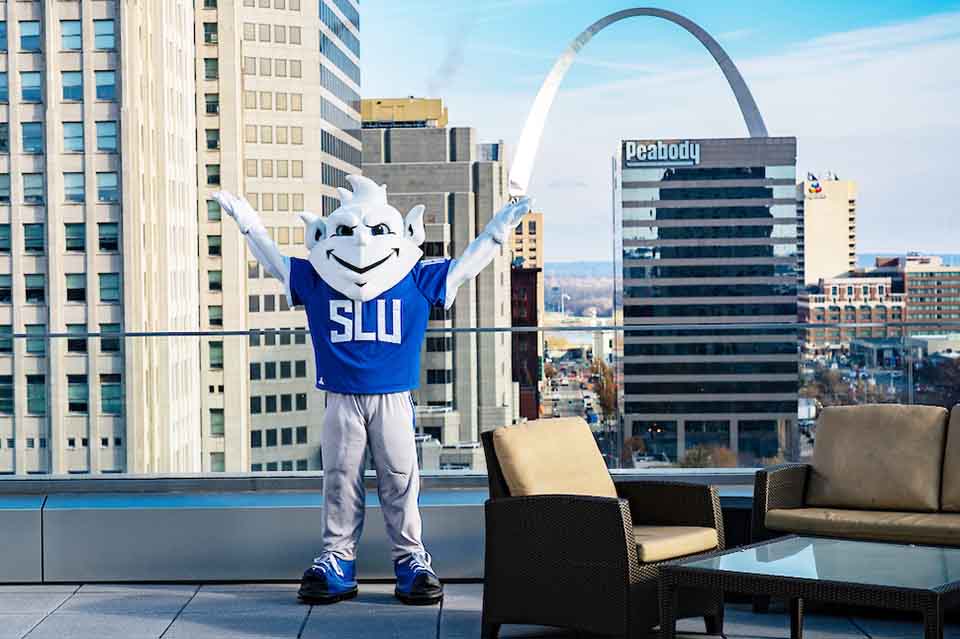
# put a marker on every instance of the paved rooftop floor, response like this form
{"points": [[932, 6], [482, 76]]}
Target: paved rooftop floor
{"points": [[264, 610]]}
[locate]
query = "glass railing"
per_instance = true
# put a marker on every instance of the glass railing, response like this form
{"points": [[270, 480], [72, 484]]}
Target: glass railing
{"points": [[656, 396]]}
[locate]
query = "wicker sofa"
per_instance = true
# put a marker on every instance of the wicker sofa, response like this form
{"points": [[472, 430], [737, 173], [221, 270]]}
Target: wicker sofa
{"points": [[879, 472], [567, 547]]}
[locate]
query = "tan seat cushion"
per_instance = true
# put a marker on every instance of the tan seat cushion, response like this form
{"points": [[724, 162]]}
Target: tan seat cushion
{"points": [[950, 500], [552, 457], [658, 543], [878, 457], [941, 529]]}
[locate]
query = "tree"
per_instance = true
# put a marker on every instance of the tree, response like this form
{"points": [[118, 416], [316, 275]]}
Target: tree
{"points": [[606, 388], [632, 445], [550, 371], [709, 457]]}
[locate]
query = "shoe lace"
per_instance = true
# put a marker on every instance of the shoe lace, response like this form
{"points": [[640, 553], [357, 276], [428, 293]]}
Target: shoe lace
{"points": [[420, 562], [328, 560]]}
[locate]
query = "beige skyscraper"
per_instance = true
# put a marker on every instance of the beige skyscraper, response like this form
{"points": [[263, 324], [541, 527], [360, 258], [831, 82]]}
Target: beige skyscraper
{"points": [[826, 228], [278, 98], [98, 234]]}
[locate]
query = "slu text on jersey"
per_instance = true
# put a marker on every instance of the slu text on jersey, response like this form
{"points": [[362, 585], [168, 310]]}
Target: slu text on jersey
{"points": [[348, 314]]}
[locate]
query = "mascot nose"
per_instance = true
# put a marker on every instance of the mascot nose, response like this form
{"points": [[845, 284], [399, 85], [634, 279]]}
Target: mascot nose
{"points": [[363, 236]]}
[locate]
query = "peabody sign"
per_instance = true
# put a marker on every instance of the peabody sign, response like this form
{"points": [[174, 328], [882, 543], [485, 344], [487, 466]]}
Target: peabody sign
{"points": [[643, 153]]}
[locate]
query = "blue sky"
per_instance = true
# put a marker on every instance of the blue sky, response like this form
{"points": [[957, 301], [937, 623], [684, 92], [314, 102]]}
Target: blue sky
{"points": [[869, 89]]}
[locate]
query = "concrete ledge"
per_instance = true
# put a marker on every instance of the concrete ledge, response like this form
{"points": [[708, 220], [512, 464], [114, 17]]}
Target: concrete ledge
{"points": [[21, 539]]}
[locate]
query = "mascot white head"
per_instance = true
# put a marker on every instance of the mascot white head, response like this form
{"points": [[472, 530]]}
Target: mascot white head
{"points": [[364, 247]]}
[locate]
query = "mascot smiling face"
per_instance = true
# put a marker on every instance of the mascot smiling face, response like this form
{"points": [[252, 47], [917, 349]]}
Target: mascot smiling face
{"points": [[364, 247]]}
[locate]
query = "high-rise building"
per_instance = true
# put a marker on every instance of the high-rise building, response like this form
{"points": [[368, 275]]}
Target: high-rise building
{"points": [[707, 236], [826, 228], [466, 384], [98, 235], [278, 98], [528, 310]]}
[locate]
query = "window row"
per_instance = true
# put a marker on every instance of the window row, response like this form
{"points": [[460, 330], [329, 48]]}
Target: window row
{"points": [[332, 83], [292, 5], [339, 118], [339, 29], [284, 369], [270, 404], [270, 100], [75, 237], [268, 438], [74, 189], [331, 49], [270, 304], [279, 33], [85, 442], [276, 201], [71, 86], [283, 466], [71, 35], [329, 143], [278, 67], [31, 137], [31, 442], [349, 11], [265, 168], [270, 135], [35, 288], [283, 337], [78, 394]]}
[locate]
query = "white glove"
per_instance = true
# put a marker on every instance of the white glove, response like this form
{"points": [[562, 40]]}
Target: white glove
{"points": [[240, 210], [507, 219]]}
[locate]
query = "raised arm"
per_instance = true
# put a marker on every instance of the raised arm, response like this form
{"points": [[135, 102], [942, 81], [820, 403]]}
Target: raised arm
{"points": [[262, 247], [484, 247]]}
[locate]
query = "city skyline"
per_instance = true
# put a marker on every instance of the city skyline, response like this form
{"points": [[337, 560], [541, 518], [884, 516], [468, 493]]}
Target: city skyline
{"points": [[845, 119]]}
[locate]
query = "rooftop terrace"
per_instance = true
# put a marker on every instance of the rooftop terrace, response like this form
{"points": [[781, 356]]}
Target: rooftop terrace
{"points": [[272, 610]]}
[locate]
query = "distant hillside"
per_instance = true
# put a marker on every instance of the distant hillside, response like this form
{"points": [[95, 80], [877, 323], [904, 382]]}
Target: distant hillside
{"points": [[588, 285], [578, 269], [866, 260]]}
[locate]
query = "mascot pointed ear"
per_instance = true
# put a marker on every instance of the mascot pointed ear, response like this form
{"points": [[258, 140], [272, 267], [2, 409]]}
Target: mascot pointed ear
{"points": [[316, 228], [413, 228]]}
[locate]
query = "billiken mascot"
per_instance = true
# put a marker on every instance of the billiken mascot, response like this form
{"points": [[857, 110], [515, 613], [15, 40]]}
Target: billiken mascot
{"points": [[367, 296]]}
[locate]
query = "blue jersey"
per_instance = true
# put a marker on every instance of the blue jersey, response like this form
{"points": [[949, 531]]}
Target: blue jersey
{"points": [[369, 347]]}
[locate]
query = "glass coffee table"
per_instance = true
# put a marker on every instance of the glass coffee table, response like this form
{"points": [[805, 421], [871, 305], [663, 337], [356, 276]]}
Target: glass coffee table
{"points": [[925, 579]]}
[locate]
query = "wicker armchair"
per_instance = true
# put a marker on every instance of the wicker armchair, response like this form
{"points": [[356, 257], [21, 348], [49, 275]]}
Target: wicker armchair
{"points": [[573, 561]]}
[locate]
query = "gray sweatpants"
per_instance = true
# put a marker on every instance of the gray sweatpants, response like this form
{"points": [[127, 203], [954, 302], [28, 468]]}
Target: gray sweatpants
{"points": [[384, 424]]}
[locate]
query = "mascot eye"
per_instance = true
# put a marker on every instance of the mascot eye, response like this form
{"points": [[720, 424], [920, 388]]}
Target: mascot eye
{"points": [[380, 229], [344, 230]]}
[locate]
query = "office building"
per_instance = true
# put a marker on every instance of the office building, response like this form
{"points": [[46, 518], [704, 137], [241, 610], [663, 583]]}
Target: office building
{"points": [[932, 291], [826, 228], [278, 107], [466, 384], [526, 309], [707, 236], [859, 298], [98, 235]]}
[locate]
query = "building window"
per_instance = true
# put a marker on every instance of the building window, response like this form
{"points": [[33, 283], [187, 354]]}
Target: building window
{"points": [[75, 236], [300, 368], [3, 35], [213, 175], [301, 401], [6, 394], [270, 403], [216, 355], [37, 394], [213, 211], [71, 37], [285, 366], [212, 102], [33, 240], [33, 188], [271, 438], [106, 85], [215, 313], [4, 188], [76, 287], [211, 68], [108, 187], [35, 288], [286, 437], [301, 434], [104, 35], [109, 236], [216, 422], [4, 137], [209, 4], [6, 338], [73, 137], [214, 245], [36, 342], [255, 406], [72, 89], [73, 189], [270, 370], [210, 32], [253, 304], [4, 238], [78, 395], [31, 89], [29, 35], [4, 88], [213, 139], [109, 344], [32, 137], [256, 439], [77, 344], [109, 287], [215, 280], [107, 136], [111, 394], [286, 405]]}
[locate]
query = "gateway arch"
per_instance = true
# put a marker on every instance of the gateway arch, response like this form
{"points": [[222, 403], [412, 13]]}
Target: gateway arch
{"points": [[533, 128]]}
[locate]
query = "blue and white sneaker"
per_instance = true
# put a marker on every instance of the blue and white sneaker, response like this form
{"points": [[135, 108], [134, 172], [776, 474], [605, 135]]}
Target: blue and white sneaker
{"points": [[417, 584], [329, 580]]}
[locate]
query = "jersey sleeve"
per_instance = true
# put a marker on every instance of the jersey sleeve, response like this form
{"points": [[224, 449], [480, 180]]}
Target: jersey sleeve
{"points": [[431, 278], [301, 281]]}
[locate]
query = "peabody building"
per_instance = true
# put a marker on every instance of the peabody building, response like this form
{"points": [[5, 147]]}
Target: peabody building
{"points": [[708, 237]]}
